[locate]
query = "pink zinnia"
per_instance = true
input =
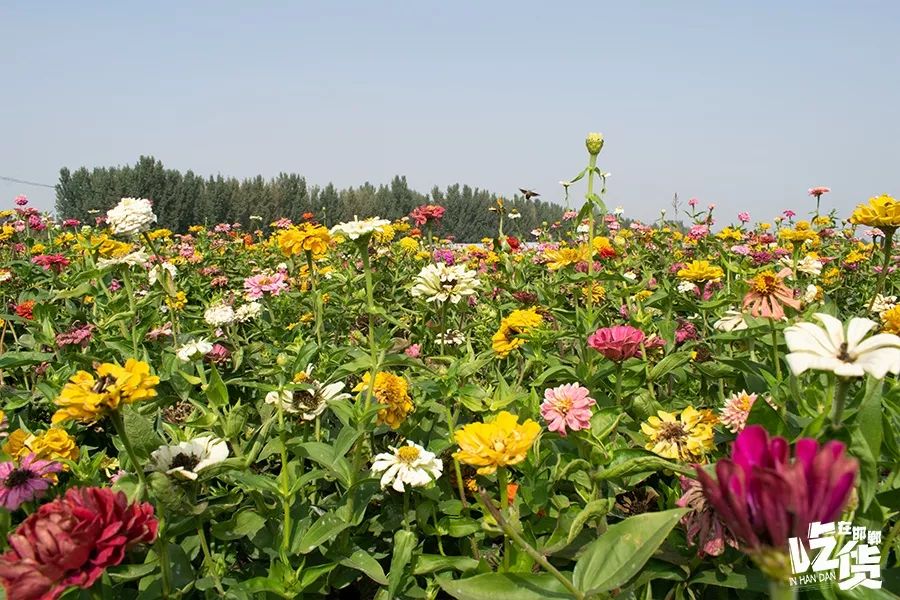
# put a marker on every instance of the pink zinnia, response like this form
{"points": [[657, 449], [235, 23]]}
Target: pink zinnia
{"points": [[26, 482], [265, 283], [744, 217], [736, 410], [767, 295], [818, 191], [567, 406], [617, 343], [21, 200], [56, 262], [78, 335], [427, 213], [413, 351], [569, 215]]}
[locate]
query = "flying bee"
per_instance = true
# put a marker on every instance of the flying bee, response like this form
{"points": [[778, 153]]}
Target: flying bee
{"points": [[529, 194]]}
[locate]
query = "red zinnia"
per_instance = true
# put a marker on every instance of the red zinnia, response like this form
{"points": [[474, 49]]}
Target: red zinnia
{"points": [[617, 343], [71, 541], [24, 309]]}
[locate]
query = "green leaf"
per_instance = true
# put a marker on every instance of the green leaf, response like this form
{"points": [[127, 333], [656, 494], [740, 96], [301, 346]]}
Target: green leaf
{"points": [[325, 528], [753, 581], [669, 364], [243, 524], [363, 561], [505, 586], [642, 464], [619, 554], [20, 359], [404, 544], [432, 563], [216, 390], [140, 432]]}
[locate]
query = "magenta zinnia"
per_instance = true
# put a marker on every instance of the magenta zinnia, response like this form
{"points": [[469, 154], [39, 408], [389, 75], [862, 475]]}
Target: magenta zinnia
{"points": [[25, 482], [567, 406], [764, 495]]}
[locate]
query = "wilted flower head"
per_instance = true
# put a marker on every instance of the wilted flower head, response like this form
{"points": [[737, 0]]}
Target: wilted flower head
{"points": [[617, 343], [702, 525]]}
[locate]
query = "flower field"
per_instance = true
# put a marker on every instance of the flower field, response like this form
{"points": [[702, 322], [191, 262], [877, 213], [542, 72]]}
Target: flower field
{"points": [[365, 410]]}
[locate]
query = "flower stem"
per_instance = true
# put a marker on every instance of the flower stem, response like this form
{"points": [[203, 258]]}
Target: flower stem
{"points": [[886, 261], [316, 297], [780, 590], [162, 544], [838, 401], [370, 309], [539, 558], [775, 358], [207, 558]]}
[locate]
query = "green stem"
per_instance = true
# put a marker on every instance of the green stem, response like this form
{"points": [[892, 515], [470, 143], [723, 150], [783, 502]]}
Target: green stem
{"points": [[780, 590], [370, 309], [316, 297], [207, 558], [840, 398], [285, 484], [162, 544], [503, 482], [539, 558], [775, 357], [886, 261]]}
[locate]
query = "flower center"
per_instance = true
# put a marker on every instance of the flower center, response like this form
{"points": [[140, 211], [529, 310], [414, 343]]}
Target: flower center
{"points": [[843, 354], [19, 477], [766, 283], [408, 454], [672, 432], [186, 461], [102, 384], [563, 405], [744, 402]]}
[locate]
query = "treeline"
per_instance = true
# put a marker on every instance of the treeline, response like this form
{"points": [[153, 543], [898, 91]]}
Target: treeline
{"points": [[184, 199]]}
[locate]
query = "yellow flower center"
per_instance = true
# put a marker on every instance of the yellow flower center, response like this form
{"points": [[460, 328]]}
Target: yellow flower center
{"points": [[766, 283], [408, 454]]}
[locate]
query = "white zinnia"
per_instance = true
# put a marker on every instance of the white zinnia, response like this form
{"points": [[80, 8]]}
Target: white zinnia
{"points": [[408, 465], [156, 273], [194, 349], [309, 404], [218, 315], [808, 264], [355, 229], [131, 216], [883, 303], [846, 354], [451, 338], [687, 286], [187, 459], [732, 320], [132, 259], [248, 311], [514, 215], [440, 282]]}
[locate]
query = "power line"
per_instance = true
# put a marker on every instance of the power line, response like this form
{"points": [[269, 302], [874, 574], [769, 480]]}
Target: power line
{"points": [[23, 182]]}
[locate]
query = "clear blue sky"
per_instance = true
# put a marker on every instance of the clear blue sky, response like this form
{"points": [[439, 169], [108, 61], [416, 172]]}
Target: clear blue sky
{"points": [[745, 104]]}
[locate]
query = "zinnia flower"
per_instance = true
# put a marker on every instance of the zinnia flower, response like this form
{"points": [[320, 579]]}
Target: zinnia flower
{"points": [[703, 525], [25, 482], [764, 496], [86, 398], [563, 257], [391, 391], [882, 211], [308, 403], [700, 271], [617, 343], [259, 285], [736, 410], [410, 465], [305, 238], [441, 282], [686, 436], [499, 443], [818, 191], [518, 322], [131, 216], [767, 295], [427, 213], [186, 459], [356, 229], [194, 349], [567, 406], [71, 541], [219, 314], [846, 354]]}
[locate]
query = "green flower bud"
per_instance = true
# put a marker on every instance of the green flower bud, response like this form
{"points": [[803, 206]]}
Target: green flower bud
{"points": [[594, 143], [282, 359]]}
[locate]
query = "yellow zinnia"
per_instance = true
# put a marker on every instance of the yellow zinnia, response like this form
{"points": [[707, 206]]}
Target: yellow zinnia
{"points": [[687, 436], [881, 211], [87, 399], [563, 257], [499, 443], [390, 390], [891, 320], [518, 322], [700, 271], [54, 444], [306, 237]]}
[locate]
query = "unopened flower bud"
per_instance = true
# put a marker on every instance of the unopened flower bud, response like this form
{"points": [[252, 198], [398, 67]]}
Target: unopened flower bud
{"points": [[594, 143]]}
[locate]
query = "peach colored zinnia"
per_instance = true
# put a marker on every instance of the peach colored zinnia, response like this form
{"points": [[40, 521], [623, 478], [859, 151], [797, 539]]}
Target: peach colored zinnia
{"points": [[567, 406], [768, 295]]}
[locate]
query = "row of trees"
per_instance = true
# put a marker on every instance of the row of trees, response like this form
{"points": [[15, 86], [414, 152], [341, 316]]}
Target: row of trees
{"points": [[183, 199]]}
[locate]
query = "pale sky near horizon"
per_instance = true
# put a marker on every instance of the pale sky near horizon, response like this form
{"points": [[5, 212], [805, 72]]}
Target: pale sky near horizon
{"points": [[742, 104]]}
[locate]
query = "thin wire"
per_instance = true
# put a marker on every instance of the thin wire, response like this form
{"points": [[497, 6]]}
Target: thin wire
{"points": [[22, 181]]}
